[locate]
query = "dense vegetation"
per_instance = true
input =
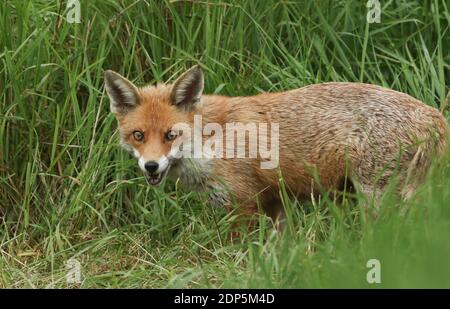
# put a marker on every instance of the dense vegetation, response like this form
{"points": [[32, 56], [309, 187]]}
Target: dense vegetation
{"points": [[67, 189]]}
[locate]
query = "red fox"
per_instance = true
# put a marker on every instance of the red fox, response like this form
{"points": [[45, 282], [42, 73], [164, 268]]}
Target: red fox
{"points": [[321, 135]]}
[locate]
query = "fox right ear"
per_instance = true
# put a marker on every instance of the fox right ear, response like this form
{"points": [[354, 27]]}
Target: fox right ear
{"points": [[123, 94]]}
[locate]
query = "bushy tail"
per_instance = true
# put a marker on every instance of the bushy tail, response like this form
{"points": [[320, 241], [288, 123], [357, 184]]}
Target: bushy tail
{"points": [[432, 149]]}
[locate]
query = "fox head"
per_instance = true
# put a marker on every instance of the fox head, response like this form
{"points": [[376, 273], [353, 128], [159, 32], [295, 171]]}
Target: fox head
{"points": [[148, 118]]}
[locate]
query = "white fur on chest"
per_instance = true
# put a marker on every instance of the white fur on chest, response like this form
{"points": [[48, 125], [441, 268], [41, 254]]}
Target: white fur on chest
{"points": [[196, 174]]}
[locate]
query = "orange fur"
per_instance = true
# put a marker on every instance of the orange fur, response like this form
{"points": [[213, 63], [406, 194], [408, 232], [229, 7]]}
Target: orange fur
{"points": [[333, 130]]}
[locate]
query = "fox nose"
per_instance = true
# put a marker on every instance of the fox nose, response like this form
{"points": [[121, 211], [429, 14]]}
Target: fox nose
{"points": [[151, 166]]}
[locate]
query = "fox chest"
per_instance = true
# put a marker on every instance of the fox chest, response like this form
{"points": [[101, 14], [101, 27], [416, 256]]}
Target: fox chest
{"points": [[196, 175]]}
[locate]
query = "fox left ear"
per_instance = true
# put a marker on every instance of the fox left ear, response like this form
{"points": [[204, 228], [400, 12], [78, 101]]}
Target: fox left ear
{"points": [[188, 88]]}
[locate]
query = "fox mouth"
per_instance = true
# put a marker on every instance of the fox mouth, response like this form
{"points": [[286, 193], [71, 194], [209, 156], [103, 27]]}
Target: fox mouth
{"points": [[155, 179]]}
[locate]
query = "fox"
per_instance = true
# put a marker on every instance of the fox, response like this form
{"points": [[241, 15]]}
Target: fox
{"points": [[328, 134]]}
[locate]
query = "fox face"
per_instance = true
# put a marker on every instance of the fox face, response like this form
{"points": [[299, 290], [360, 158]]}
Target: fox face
{"points": [[148, 118]]}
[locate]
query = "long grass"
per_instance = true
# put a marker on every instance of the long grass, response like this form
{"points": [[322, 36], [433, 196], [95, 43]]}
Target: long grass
{"points": [[67, 189]]}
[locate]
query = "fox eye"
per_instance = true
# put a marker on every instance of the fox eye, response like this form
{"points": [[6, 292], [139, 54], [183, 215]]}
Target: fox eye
{"points": [[138, 135], [170, 135]]}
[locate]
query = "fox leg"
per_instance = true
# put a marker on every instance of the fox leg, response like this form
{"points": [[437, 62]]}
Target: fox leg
{"points": [[238, 201], [246, 211], [273, 208], [245, 218], [244, 205], [372, 194]]}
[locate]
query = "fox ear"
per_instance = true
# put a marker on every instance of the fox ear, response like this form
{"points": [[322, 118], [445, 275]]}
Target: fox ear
{"points": [[187, 89], [123, 94]]}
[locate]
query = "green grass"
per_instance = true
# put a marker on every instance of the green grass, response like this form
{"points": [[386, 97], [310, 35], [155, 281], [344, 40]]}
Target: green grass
{"points": [[67, 189]]}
